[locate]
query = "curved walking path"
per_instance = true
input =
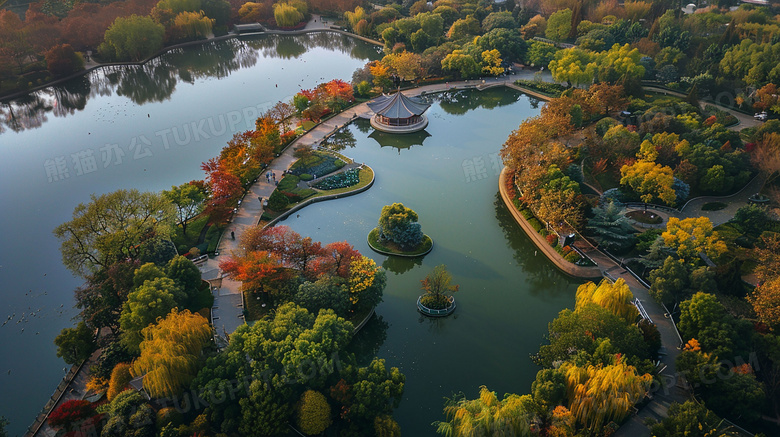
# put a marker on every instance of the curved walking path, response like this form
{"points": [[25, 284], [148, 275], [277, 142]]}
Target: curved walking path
{"points": [[672, 383], [745, 120], [227, 312], [606, 267]]}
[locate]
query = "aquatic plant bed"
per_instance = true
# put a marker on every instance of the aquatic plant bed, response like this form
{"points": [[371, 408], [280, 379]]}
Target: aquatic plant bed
{"points": [[389, 248], [318, 163], [342, 180]]}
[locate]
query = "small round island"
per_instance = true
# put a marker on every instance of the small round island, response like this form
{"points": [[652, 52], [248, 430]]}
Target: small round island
{"points": [[437, 300], [398, 113], [398, 233]]}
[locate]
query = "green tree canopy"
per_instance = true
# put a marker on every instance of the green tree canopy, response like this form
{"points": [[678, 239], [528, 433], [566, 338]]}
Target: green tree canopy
{"points": [[508, 42], [132, 38], [323, 294], [670, 282], [112, 228], [313, 413], [498, 20], [129, 416], [398, 224], [464, 28], [75, 344], [152, 300], [574, 65], [613, 231], [540, 53], [559, 25], [461, 63]]}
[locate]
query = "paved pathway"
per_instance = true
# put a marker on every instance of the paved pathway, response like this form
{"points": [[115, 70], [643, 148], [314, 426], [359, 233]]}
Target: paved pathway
{"points": [[745, 120], [228, 303], [671, 391], [72, 387]]}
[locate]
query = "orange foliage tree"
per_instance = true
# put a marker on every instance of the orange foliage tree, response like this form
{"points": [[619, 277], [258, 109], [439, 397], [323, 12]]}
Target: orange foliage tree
{"points": [[120, 377], [255, 269], [765, 300], [224, 189], [336, 259]]}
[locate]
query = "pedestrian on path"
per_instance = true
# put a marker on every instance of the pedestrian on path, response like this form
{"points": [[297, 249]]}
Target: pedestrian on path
{"points": [[232, 235]]}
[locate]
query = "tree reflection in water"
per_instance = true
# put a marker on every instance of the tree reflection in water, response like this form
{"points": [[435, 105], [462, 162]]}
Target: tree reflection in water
{"points": [[342, 139], [366, 343], [459, 102], [542, 275], [155, 80], [400, 265]]}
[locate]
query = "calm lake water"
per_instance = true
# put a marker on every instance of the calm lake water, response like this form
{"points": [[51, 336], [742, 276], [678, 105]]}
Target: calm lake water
{"points": [[146, 127], [150, 127], [449, 175]]}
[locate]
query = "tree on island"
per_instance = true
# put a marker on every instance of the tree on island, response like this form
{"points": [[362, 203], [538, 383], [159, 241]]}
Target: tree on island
{"points": [[398, 224], [437, 288]]}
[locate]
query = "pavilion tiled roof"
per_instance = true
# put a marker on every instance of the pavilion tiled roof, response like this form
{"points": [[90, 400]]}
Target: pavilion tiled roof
{"points": [[398, 106]]}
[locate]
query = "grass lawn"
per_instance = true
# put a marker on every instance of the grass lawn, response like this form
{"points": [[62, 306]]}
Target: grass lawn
{"points": [[646, 217], [422, 248], [289, 183]]}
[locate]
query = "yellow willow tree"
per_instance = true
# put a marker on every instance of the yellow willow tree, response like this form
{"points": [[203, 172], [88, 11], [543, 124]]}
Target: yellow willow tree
{"points": [[615, 297], [600, 394], [355, 17], [193, 24], [287, 15], [487, 415], [170, 352]]}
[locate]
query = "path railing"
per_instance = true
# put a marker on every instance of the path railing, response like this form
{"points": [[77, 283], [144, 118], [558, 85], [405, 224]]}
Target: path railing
{"points": [[435, 313], [638, 304]]}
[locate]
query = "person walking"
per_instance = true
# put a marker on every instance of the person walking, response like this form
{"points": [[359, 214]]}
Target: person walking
{"points": [[232, 235]]}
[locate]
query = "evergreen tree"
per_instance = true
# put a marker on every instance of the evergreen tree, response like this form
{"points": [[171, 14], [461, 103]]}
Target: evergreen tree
{"points": [[613, 230]]}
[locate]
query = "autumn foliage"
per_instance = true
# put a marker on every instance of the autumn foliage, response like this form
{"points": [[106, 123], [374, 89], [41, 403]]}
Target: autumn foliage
{"points": [[170, 352], [71, 414], [615, 297], [325, 98], [600, 394], [272, 254], [120, 377]]}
